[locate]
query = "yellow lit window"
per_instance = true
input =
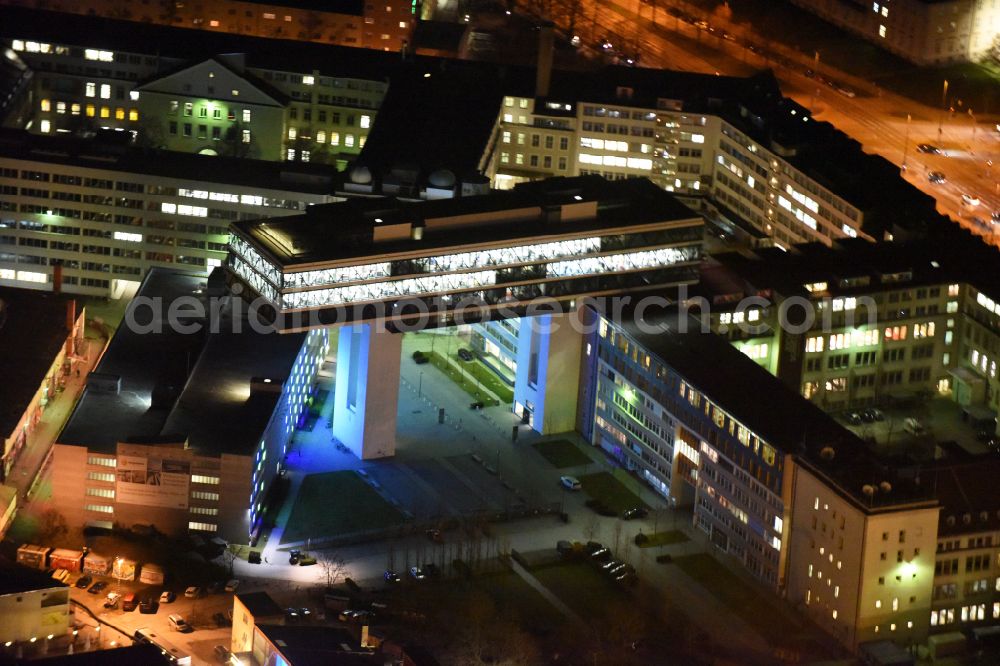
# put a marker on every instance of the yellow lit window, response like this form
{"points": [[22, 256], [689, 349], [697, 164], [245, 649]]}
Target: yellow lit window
{"points": [[119, 113], [133, 114], [75, 109], [321, 136], [46, 105], [105, 112], [90, 110]]}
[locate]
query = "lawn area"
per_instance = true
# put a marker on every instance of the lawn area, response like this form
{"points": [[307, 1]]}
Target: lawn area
{"points": [[462, 379], [664, 538], [610, 491], [581, 587], [738, 596], [514, 597], [562, 453], [337, 503], [489, 380]]}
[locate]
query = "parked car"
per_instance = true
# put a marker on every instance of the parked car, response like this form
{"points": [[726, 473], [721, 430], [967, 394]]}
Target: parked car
{"points": [[232, 585], [148, 606], [167, 597], [913, 426], [192, 592], [97, 587], [853, 418], [293, 556], [112, 600], [435, 536], [970, 200], [432, 570], [178, 623], [391, 576], [129, 602], [417, 573], [570, 482], [420, 358], [83, 581], [875, 414], [936, 177], [635, 512], [928, 149], [465, 354], [602, 554]]}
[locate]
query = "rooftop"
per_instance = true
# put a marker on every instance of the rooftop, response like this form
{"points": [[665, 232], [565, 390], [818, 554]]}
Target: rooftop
{"points": [[182, 386], [32, 331], [142, 654], [951, 255], [17, 579], [345, 230], [318, 645], [106, 152], [260, 604], [765, 405], [968, 495]]}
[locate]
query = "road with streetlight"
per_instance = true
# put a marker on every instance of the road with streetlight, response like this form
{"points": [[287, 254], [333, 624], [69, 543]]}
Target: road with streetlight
{"points": [[884, 123]]}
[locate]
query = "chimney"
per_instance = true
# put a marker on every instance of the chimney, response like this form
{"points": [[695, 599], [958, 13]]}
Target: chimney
{"points": [[543, 70], [57, 278]]}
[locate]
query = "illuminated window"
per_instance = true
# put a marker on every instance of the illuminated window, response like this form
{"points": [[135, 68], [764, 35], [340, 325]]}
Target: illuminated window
{"points": [[308, 80], [334, 138], [90, 89], [292, 133], [321, 136], [105, 91], [349, 140], [246, 115], [246, 136], [133, 114], [119, 113], [75, 109], [881, 31], [290, 154], [46, 105], [46, 126], [105, 112], [366, 121], [199, 478]]}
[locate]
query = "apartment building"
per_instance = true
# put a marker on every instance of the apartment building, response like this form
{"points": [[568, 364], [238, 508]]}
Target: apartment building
{"points": [[378, 24], [183, 429], [107, 213], [925, 32]]}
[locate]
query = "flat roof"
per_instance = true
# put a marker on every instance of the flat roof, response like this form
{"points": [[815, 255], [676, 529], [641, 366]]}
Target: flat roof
{"points": [[260, 604], [106, 152], [32, 331], [177, 386], [764, 404], [16, 579], [968, 495], [949, 255], [318, 645], [345, 230]]}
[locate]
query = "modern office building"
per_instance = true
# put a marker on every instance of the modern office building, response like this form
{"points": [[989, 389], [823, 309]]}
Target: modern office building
{"points": [[432, 263], [40, 335], [383, 24], [107, 213], [185, 422], [926, 32]]}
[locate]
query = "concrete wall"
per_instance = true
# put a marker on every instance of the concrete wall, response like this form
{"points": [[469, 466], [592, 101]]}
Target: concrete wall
{"points": [[549, 352], [34, 614], [367, 390]]}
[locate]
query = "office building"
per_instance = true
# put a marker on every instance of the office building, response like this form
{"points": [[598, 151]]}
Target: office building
{"points": [[184, 425], [106, 213], [926, 32]]}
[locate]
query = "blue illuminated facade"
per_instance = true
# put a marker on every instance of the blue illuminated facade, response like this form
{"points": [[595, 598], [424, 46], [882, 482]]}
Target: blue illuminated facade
{"points": [[662, 427], [297, 391]]}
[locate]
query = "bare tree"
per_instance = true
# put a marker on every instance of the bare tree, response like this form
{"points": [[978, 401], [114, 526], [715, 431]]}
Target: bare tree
{"points": [[590, 526], [52, 526], [333, 566]]}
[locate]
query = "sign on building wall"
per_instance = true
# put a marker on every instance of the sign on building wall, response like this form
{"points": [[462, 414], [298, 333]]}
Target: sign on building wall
{"points": [[153, 482]]}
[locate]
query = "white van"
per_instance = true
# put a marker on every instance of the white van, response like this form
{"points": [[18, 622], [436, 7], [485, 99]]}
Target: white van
{"points": [[178, 623]]}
